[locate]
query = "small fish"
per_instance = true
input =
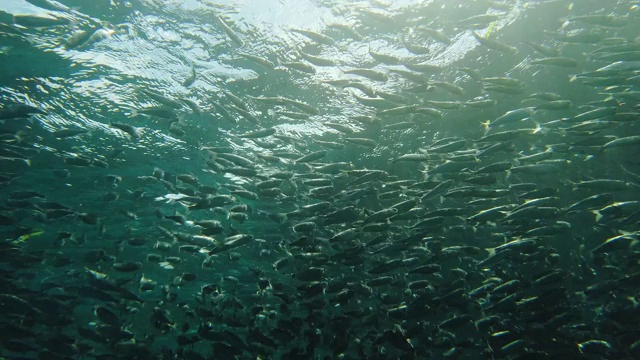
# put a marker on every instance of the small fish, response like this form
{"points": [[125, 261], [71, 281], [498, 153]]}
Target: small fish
{"points": [[316, 60], [191, 78], [257, 134], [134, 132], [67, 133], [300, 66], [127, 266], [384, 58], [230, 32], [556, 61], [495, 45], [266, 63], [320, 38], [317, 155]]}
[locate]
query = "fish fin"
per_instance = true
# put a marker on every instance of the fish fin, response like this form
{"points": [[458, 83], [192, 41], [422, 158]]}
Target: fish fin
{"points": [[569, 182], [491, 251], [284, 218], [597, 214], [538, 128], [486, 126], [134, 113], [309, 167], [491, 27], [137, 131], [516, 162]]}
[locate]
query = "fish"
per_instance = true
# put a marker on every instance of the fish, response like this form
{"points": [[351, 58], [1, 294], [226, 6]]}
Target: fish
{"points": [[414, 48], [368, 73], [190, 79], [303, 106], [257, 134], [17, 111], [556, 61], [38, 21], [384, 58], [161, 112], [495, 45], [265, 63], [232, 242], [230, 32], [67, 133], [246, 114], [544, 49], [300, 66], [320, 38], [316, 155], [316, 60], [224, 113], [622, 142], [617, 243], [423, 68], [433, 33], [166, 102], [513, 116], [134, 132]]}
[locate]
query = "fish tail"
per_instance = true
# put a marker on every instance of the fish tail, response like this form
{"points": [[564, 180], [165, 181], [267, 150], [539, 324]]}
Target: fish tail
{"points": [[491, 251], [137, 133], [486, 126], [538, 128], [490, 30]]}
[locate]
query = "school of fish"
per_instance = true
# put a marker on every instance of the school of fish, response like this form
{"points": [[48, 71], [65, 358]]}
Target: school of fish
{"points": [[433, 179]]}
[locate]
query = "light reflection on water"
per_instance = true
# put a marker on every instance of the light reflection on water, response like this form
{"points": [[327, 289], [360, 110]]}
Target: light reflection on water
{"points": [[159, 43]]}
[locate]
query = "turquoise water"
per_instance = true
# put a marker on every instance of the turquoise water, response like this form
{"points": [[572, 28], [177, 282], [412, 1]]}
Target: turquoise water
{"points": [[408, 180]]}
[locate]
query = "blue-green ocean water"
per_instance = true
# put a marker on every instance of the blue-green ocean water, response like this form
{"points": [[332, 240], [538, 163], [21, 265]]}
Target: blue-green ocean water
{"points": [[408, 248]]}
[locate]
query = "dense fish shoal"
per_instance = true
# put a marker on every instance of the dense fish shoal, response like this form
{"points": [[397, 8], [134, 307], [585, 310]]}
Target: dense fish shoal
{"points": [[292, 180]]}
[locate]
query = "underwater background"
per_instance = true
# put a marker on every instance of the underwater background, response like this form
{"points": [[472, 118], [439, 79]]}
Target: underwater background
{"points": [[293, 179]]}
